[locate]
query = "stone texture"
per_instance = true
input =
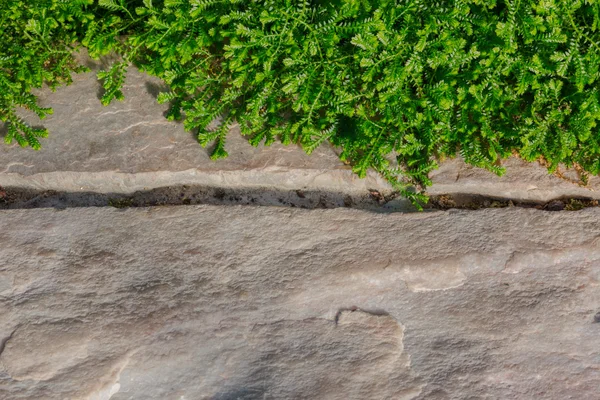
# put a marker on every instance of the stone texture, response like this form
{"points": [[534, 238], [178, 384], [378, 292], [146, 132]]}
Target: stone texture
{"points": [[204, 302], [523, 181], [129, 146]]}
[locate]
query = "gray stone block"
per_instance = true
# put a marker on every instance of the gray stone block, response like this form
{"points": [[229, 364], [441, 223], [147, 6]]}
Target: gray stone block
{"points": [[204, 302]]}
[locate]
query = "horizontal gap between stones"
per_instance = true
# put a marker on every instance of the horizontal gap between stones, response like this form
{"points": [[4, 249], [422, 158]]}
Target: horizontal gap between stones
{"points": [[476, 202], [372, 200], [23, 198]]}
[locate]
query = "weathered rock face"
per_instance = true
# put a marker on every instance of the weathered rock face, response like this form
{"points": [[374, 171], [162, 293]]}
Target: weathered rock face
{"points": [[270, 303], [523, 181]]}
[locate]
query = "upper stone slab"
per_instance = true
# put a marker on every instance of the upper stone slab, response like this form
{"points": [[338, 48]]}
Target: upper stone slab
{"points": [[129, 146]]}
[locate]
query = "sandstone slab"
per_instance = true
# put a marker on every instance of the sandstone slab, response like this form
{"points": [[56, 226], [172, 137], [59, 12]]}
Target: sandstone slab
{"points": [[129, 146], [205, 302], [523, 181]]}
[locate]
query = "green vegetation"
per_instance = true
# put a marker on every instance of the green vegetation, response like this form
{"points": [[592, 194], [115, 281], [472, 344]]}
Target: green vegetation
{"points": [[396, 84], [36, 44]]}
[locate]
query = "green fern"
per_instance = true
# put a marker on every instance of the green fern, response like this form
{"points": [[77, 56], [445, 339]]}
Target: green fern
{"points": [[37, 40]]}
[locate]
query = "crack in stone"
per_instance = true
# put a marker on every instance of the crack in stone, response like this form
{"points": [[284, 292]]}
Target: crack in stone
{"points": [[15, 164], [4, 341], [153, 194], [142, 123], [116, 112], [376, 313]]}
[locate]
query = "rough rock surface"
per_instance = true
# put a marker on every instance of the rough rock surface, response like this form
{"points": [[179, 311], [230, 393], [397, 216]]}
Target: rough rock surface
{"points": [[522, 181], [204, 302], [129, 146]]}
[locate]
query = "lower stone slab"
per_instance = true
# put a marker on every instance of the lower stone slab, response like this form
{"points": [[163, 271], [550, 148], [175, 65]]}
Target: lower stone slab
{"points": [[207, 302]]}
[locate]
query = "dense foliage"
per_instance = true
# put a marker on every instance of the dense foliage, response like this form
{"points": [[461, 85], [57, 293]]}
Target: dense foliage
{"points": [[36, 46], [396, 84]]}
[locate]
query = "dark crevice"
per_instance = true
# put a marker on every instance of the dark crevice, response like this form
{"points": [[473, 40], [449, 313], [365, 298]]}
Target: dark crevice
{"points": [[4, 341], [372, 200], [377, 312], [18, 198], [477, 202]]}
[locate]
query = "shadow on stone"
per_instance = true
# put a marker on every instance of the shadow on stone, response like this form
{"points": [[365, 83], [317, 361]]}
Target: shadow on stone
{"points": [[241, 394], [154, 89], [100, 91], [4, 132], [103, 62]]}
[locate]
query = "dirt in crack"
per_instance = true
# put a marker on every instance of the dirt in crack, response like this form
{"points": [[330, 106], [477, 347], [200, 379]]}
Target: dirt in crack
{"points": [[476, 202], [18, 198], [372, 200]]}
